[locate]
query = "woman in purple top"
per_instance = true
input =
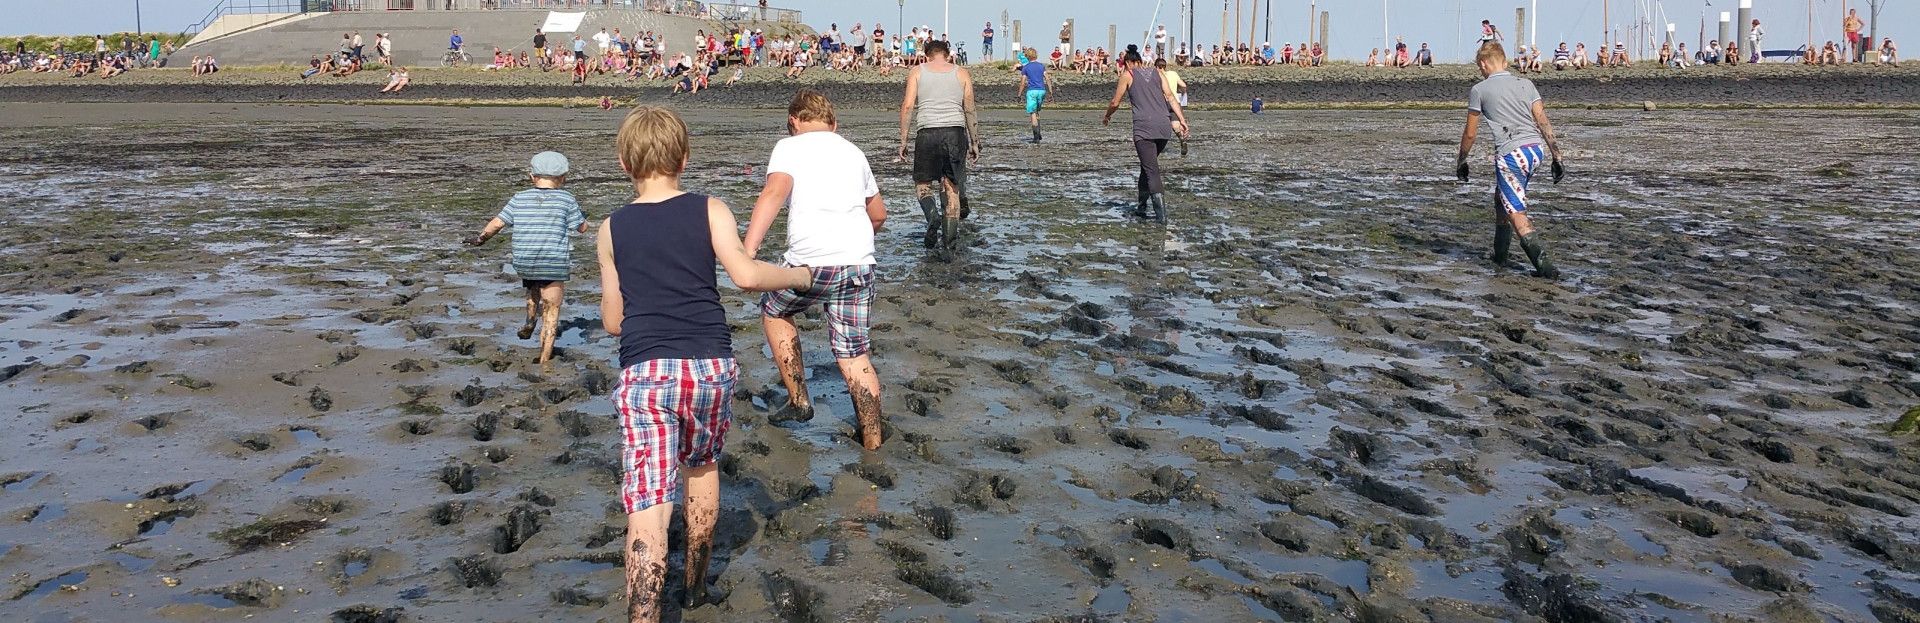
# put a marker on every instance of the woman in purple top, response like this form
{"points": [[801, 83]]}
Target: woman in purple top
{"points": [[1157, 118]]}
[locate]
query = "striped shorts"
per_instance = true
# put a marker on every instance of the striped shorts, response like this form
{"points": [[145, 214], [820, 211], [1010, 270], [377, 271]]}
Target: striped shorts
{"points": [[1514, 170], [673, 413], [846, 294]]}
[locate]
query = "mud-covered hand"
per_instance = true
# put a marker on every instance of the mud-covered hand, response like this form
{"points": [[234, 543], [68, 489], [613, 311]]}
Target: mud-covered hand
{"points": [[1559, 172], [973, 153], [475, 241], [1460, 170]]}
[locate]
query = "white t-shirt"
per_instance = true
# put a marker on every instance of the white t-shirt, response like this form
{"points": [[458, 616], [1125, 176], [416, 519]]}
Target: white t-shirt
{"points": [[603, 40], [827, 222]]}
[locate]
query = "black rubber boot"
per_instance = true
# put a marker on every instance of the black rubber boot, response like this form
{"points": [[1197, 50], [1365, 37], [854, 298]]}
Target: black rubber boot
{"points": [[1537, 254], [966, 208], [1036, 133], [930, 209], [1160, 208], [951, 237], [1502, 240]]}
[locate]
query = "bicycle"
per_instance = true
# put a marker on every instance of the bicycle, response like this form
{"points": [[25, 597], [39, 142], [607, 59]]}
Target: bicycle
{"points": [[455, 58]]}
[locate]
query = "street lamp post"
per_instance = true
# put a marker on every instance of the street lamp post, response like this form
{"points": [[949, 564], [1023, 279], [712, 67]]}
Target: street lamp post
{"points": [[136, 18], [900, 21]]}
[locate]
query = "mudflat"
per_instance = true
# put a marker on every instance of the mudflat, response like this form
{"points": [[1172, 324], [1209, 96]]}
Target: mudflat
{"points": [[1762, 85], [249, 371]]}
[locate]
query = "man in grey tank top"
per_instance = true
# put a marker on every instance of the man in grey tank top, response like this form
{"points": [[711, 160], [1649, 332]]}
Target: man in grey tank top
{"points": [[939, 102]]}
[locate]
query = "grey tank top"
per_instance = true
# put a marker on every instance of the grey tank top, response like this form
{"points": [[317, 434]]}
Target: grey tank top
{"points": [[938, 102], [1152, 116]]}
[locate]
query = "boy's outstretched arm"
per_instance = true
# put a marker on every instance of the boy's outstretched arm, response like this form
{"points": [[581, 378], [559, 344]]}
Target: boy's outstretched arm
{"points": [[613, 308], [746, 272], [486, 233], [772, 198]]}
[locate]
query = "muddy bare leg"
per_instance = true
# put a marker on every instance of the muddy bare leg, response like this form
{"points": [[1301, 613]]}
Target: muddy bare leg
{"points": [[533, 312], [646, 560], [550, 297], [784, 339], [703, 510], [863, 384]]}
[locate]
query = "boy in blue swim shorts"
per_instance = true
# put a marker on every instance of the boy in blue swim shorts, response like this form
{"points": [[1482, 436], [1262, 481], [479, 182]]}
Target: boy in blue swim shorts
{"points": [[1034, 83], [1512, 108]]}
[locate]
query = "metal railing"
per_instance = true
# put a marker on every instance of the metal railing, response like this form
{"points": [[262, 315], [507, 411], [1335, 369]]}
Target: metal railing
{"points": [[250, 7], [690, 8]]}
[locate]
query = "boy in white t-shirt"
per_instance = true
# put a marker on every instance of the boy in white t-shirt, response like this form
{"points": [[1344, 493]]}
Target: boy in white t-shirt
{"points": [[835, 212]]}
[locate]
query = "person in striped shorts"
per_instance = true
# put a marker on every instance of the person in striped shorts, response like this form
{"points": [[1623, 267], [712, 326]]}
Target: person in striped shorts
{"points": [[659, 296], [1511, 107]]}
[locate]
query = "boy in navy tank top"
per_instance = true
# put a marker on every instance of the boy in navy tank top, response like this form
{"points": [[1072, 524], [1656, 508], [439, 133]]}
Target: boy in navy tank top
{"points": [[660, 297]]}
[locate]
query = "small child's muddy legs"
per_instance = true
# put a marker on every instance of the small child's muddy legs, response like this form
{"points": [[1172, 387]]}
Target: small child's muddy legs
{"points": [[550, 297], [863, 385], [784, 339], [646, 561], [703, 510]]}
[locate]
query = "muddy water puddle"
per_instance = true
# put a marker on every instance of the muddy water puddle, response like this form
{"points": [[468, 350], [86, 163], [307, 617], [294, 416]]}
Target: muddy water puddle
{"points": [[1311, 398]]}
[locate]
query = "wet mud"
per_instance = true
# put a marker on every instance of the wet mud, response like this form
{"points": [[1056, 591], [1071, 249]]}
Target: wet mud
{"points": [[1311, 398]]}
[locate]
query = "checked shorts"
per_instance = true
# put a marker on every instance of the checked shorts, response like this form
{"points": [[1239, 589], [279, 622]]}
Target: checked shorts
{"points": [[846, 293], [673, 413]]}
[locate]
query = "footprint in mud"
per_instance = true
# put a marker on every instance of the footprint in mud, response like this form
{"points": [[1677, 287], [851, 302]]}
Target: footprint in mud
{"points": [[413, 365], [938, 519], [1008, 444], [1370, 449], [936, 582], [1164, 534], [417, 428], [254, 593], [979, 491], [320, 400], [577, 597], [448, 513], [537, 497], [496, 454], [1261, 416], [464, 346], [485, 425], [459, 477], [471, 395], [1128, 439], [522, 523], [368, 614], [1064, 435], [576, 424], [153, 423], [880, 475], [793, 600], [476, 571]]}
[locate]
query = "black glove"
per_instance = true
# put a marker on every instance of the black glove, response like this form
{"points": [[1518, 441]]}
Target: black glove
{"points": [[1559, 172], [474, 241], [1461, 170]]}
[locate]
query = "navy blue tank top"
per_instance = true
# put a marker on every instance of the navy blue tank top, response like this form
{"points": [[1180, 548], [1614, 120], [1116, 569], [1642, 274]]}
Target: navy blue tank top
{"points": [[664, 254]]}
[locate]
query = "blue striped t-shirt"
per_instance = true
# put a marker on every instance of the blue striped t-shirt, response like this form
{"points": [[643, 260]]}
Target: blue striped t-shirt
{"points": [[543, 221]]}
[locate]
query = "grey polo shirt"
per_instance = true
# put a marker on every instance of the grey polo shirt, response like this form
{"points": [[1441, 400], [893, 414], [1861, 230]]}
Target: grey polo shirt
{"points": [[1505, 103]]}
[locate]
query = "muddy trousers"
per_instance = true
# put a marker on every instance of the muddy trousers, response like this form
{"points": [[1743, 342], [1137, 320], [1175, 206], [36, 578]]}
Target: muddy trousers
{"points": [[1149, 151]]}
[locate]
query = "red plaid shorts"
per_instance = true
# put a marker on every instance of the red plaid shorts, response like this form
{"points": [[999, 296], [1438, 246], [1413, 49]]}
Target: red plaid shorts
{"points": [[673, 413]]}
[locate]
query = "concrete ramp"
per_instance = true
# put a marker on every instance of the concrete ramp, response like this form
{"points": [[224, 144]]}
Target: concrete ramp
{"points": [[420, 37]]}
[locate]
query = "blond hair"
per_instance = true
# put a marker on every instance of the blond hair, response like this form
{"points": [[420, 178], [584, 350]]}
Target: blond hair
{"points": [[811, 106], [1491, 52], [652, 141]]}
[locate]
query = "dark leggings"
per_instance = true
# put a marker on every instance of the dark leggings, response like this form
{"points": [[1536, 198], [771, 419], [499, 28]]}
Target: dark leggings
{"points": [[1149, 151]]}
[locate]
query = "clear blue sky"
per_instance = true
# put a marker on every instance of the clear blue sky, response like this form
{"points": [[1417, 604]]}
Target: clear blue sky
{"points": [[1356, 23]]}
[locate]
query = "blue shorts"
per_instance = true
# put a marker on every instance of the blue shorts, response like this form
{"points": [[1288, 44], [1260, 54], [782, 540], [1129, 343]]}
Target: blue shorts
{"points": [[1514, 170], [1035, 98]]}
